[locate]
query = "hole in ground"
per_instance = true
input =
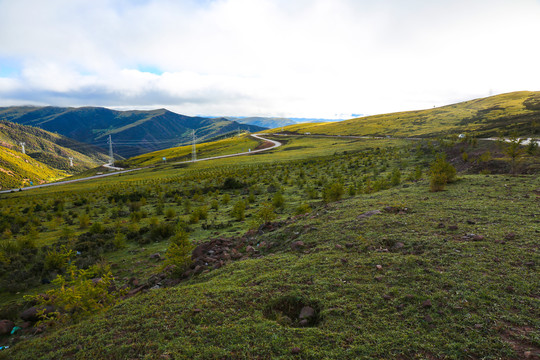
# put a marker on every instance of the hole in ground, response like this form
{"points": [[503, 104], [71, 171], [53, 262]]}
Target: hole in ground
{"points": [[293, 310]]}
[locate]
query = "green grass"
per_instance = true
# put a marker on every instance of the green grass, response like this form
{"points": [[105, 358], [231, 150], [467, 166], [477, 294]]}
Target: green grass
{"points": [[483, 291], [466, 281]]}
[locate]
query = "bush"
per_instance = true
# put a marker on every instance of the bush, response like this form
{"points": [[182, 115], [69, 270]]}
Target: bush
{"points": [[442, 173], [76, 296], [238, 211], [333, 192], [265, 215], [302, 209], [278, 200], [179, 253]]}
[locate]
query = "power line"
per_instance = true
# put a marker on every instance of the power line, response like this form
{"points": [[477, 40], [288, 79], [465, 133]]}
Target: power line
{"points": [[194, 152], [111, 154]]}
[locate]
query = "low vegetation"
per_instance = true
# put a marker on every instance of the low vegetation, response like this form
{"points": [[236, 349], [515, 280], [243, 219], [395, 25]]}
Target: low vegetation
{"points": [[321, 248]]}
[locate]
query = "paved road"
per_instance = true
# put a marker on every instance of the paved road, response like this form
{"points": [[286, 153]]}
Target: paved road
{"points": [[275, 144]]}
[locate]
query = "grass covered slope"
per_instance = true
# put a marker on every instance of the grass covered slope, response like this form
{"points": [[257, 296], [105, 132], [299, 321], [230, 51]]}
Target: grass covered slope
{"points": [[18, 169], [395, 274], [517, 112], [227, 146], [49, 148]]}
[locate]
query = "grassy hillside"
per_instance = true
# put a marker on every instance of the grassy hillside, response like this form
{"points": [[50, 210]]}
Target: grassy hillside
{"points": [[227, 146], [347, 227], [49, 148], [133, 132], [517, 112], [18, 169]]}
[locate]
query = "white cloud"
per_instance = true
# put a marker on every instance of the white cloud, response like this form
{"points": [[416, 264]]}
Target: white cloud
{"points": [[311, 58]]}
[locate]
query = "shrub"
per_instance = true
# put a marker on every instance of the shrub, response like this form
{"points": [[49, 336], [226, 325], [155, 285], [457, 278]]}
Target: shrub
{"points": [[170, 213], [179, 252], [84, 221], [333, 192], [442, 173], [265, 215], [76, 296], [238, 210], [302, 209], [278, 200], [395, 177]]}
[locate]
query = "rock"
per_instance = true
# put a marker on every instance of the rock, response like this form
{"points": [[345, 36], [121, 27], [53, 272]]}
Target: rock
{"points": [[196, 311], [250, 249], [344, 261], [427, 304], [527, 354], [510, 289], [378, 278], [387, 297], [306, 312], [349, 245], [478, 238], [428, 319], [31, 314], [453, 227], [136, 290], [339, 247], [197, 269], [155, 256], [510, 236], [471, 222], [295, 350], [379, 267], [368, 214], [478, 326], [303, 323], [399, 245], [297, 245], [26, 325], [6, 326], [441, 226]]}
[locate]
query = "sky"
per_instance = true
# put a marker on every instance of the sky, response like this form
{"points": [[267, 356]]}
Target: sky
{"points": [[285, 58]]}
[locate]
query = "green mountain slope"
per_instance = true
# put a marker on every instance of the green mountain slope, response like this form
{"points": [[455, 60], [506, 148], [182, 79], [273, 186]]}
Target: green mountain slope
{"points": [[51, 149], [227, 146], [133, 132], [507, 113], [18, 169]]}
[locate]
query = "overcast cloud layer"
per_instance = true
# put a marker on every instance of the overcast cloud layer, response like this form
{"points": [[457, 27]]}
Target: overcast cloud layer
{"points": [[300, 58]]}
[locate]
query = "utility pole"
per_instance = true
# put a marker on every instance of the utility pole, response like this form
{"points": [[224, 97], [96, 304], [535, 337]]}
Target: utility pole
{"points": [[111, 154], [194, 151], [70, 161], [22, 145]]}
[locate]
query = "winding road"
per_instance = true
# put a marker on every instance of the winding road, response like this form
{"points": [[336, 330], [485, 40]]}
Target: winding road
{"points": [[274, 143]]}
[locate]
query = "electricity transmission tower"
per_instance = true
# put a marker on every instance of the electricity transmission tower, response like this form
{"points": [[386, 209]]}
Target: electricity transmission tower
{"points": [[22, 145], [111, 154], [70, 161], [194, 151]]}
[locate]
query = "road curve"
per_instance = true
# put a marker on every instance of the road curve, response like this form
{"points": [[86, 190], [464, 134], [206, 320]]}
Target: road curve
{"points": [[275, 144]]}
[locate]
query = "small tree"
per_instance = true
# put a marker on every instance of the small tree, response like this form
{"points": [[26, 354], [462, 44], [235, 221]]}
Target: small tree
{"points": [[265, 215], [333, 192], [442, 173], [514, 150], [238, 210], [179, 252]]}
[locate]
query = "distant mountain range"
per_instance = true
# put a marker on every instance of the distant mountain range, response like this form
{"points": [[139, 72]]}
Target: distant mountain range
{"points": [[133, 132], [276, 122]]}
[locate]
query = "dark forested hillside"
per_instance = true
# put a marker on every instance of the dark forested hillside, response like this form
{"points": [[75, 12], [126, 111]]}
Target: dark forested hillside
{"points": [[133, 132]]}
